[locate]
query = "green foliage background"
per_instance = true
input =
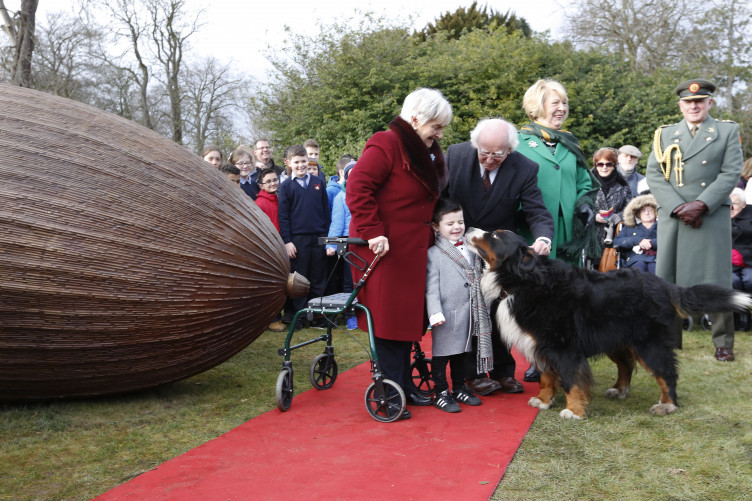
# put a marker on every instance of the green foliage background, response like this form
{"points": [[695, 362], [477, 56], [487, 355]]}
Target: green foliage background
{"points": [[348, 82]]}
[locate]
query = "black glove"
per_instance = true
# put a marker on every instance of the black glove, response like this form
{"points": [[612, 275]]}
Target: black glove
{"points": [[586, 215], [691, 213]]}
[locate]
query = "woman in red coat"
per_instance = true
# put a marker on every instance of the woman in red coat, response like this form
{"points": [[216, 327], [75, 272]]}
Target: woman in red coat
{"points": [[391, 196]]}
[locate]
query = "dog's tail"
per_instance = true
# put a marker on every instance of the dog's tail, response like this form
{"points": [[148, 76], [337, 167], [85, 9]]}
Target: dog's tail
{"points": [[707, 298]]}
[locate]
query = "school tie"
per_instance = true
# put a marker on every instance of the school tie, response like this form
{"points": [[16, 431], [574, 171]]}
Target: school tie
{"points": [[486, 180]]}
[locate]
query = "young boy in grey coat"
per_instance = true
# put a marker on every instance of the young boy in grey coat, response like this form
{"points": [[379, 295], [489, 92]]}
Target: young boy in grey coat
{"points": [[456, 308]]}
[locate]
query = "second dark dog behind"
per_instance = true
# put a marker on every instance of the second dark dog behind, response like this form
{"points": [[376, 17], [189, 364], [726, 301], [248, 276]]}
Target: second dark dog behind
{"points": [[558, 316]]}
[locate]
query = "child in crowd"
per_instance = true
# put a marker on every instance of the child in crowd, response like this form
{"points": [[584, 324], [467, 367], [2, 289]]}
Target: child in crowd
{"points": [[456, 312], [335, 268], [303, 218], [267, 197], [243, 159], [267, 202], [212, 154], [232, 173], [314, 152], [340, 227], [639, 241], [313, 169]]}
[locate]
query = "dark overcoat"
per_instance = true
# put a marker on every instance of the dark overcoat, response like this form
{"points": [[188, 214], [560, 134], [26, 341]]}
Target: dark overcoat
{"points": [[515, 188]]}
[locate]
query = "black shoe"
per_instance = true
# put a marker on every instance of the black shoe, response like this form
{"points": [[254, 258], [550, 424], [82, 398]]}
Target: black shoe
{"points": [[445, 401], [464, 396], [531, 375], [405, 415], [418, 400]]}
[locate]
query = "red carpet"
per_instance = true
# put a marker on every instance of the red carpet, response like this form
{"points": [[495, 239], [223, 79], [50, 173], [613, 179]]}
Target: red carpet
{"points": [[327, 446]]}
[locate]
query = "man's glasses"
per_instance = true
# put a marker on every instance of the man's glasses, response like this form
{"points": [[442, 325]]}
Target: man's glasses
{"points": [[605, 164], [496, 155]]}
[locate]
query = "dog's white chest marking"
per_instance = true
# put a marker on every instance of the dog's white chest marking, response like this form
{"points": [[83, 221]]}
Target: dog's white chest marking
{"points": [[511, 332]]}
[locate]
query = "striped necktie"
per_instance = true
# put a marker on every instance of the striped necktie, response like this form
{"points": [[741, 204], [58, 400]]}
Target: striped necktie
{"points": [[486, 181]]}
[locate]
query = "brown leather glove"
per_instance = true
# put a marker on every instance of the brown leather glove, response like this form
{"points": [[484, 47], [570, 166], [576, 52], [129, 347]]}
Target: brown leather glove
{"points": [[691, 213]]}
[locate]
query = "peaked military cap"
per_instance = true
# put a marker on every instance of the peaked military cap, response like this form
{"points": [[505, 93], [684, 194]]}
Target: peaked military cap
{"points": [[695, 89]]}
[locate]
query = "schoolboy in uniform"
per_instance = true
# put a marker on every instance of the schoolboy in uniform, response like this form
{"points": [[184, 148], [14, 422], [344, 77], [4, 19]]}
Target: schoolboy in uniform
{"points": [[303, 218]]}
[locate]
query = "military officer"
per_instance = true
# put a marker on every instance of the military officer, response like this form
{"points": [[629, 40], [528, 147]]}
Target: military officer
{"points": [[692, 169]]}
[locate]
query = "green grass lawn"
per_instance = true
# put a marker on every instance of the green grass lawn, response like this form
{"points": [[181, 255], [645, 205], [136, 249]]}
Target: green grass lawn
{"points": [[75, 450]]}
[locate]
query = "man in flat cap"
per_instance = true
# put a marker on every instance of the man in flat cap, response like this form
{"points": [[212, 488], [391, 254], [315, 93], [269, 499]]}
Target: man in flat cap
{"points": [[628, 157], [692, 170]]}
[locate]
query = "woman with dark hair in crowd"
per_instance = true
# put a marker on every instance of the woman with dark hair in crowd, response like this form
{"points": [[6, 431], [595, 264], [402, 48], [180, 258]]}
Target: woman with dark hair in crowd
{"points": [[613, 195], [391, 196]]}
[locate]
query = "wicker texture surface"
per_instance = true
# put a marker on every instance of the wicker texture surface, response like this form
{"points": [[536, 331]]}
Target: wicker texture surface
{"points": [[126, 261]]}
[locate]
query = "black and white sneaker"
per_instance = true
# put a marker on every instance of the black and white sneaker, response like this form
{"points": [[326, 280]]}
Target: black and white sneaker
{"points": [[445, 401], [464, 396]]}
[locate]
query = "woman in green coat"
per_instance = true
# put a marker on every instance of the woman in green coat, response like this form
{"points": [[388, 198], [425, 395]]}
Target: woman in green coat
{"points": [[564, 179]]}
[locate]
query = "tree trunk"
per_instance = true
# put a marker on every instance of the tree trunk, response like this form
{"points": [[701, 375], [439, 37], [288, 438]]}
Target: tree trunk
{"points": [[24, 44]]}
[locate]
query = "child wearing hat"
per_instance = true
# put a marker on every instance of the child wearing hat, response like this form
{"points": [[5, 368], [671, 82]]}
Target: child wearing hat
{"points": [[639, 241]]}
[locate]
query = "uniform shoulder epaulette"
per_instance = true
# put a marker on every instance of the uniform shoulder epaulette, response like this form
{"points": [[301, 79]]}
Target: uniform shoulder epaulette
{"points": [[728, 121], [667, 125]]}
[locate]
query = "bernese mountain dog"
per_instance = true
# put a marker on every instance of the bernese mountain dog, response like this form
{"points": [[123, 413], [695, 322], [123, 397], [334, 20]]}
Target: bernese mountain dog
{"points": [[558, 315]]}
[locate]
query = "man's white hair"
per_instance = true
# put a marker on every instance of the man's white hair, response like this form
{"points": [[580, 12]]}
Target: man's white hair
{"points": [[513, 139]]}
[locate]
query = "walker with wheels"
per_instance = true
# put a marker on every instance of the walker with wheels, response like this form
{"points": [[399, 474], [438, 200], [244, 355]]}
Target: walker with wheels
{"points": [[384, 399]]}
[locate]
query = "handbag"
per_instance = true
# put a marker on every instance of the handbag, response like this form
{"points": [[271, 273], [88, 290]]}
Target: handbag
{"points": [[610, 257]]}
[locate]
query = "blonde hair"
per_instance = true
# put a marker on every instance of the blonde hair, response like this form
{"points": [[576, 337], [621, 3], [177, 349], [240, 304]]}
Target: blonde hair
{"points": [[747, 169], [535, 97]]}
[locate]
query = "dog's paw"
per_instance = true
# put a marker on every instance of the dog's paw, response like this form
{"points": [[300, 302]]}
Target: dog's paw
{"points": [[568, 414], [614, 393], [660, 409], [537, 402]]}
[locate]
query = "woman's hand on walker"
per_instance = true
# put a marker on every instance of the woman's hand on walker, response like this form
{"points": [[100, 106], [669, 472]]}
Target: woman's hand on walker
{"points": [[379, 245]]}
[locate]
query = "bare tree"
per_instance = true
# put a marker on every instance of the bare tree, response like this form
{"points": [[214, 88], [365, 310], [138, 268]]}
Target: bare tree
{"points": [[63, 64], [169, 34], [211, 96], [130, 27], [651, 33]]}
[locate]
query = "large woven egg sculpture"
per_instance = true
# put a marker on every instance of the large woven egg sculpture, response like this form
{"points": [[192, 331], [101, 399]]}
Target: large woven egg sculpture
{"points": [[126, 261]]}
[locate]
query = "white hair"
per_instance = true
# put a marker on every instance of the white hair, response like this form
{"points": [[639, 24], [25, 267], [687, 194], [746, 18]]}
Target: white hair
{"points": [[513, 139], [425, 105], [738, 193]]}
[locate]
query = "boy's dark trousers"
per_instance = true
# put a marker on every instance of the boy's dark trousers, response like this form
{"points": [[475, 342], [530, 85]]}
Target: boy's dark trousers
{"points": [[456, 366], [309, 262]]}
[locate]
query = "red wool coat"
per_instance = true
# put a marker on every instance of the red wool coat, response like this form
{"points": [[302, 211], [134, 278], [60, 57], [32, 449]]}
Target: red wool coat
{"points": [[385, 198]]}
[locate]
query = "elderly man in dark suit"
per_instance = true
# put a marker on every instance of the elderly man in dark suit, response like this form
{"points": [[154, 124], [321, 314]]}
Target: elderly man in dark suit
{"points": [[495, 185]]}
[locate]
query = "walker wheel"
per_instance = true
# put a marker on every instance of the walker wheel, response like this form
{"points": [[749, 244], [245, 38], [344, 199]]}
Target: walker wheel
{"points": [[386, 407], [688, 324], [283, 393], [705, 322], [422, 376], [323, 371]]}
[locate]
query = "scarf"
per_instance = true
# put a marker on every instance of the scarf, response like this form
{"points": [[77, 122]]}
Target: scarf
{"points": [[430, 172], [480, 321], [583, 238], [609, 181]]}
